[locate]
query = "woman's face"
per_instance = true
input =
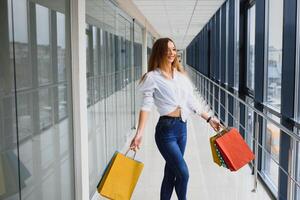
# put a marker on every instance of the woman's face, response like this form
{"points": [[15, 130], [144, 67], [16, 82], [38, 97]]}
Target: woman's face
{"points": [[171, 52]]}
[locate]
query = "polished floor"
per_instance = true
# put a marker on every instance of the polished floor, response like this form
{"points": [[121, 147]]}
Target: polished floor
{"points": [[207, 180]]}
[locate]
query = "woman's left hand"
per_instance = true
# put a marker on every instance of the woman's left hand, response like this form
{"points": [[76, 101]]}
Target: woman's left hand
{"points": [[215, 123]]}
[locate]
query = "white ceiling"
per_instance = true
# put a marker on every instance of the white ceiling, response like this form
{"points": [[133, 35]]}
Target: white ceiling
{"points": [[180, 20]]}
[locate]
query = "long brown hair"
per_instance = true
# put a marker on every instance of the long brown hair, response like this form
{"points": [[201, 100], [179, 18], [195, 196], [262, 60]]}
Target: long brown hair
{"points": [[158, 56]]}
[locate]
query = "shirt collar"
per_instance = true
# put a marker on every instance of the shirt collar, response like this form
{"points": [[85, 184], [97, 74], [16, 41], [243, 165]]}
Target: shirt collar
{"points": [[174, 73]]}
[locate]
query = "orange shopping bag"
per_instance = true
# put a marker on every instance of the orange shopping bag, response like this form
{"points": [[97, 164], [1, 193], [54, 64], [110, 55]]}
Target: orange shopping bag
{"points": [[234, 149]]}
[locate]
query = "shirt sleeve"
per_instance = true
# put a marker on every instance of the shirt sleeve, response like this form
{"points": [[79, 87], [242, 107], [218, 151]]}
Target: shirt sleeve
{"points": [[192, 102], [146, 89]]}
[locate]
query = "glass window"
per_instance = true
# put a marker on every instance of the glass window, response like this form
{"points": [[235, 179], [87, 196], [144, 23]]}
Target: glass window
{"points": [[95, 49], [96, 64], [62, 101], [24, 69], [249, 124], [61, 46], [271, 154], [89, 68], [45, 108], [43, 45], [25, 115], [49, 152], [251, 48], [227, 41], [237, 45], [45, 156], [275, 29]]}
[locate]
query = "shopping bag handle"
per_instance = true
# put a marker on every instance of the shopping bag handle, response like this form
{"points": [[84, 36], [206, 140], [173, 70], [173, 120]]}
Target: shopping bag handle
{"points": [[224, 129], [133, 154]]}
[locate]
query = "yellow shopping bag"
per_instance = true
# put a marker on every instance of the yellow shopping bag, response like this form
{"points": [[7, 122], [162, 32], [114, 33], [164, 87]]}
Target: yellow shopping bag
{"points": [[214, 150], [217, 157], [120, 177]]}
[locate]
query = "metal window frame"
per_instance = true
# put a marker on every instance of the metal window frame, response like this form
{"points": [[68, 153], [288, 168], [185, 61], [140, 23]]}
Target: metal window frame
{"points": [[297, 99], [287, 145]]}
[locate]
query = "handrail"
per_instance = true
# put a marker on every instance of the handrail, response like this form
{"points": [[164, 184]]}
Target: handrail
{"points": [[260, 145], [290, 172], [263, 115]]}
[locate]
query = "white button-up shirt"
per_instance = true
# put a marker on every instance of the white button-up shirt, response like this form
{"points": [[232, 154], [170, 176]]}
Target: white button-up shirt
{"points": [[168, 94]]}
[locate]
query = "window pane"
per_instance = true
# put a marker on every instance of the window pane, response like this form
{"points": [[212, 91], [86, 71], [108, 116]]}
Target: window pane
{"points": [[61, 47], [62, 101], [89, 71], [95, 49], [271, 145], [249, 124], [24, 69], [227, 41], [251, 48], [43, 45], [45, 108], [45, 143], [275, 26]]}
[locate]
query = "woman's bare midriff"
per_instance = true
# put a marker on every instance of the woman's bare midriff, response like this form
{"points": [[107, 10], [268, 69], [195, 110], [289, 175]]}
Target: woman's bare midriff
{"points": [[175, 113]]}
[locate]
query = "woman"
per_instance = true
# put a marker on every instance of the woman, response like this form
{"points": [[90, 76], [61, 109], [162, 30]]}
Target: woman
{"points": [[167, 86]]}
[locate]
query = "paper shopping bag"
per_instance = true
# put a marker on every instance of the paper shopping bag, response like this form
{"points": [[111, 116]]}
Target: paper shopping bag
{"points": [[217, 157], [213, 150], [234, 149], [120, 177]]}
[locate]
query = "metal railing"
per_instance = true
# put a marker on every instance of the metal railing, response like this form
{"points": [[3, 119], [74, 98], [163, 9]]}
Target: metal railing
{"points": [[295, 138]]}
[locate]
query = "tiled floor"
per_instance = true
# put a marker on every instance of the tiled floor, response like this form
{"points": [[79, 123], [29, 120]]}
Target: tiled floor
{"points": [[207, 180]]}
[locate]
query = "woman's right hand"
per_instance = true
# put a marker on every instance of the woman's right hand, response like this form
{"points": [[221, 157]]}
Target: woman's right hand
{"points": [[136, 142]]}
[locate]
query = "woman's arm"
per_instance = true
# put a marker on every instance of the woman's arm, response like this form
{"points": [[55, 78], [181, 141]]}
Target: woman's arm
{"points": [[137, 140], [214, 122]]}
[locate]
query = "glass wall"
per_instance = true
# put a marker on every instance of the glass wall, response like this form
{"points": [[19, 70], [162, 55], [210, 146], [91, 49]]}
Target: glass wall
{"points": [[112, 64], [35, 113], [274, 55], [260, 58]]}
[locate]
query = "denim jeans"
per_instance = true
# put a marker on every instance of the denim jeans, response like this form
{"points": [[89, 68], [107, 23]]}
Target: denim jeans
{"points": [[170, 137]]}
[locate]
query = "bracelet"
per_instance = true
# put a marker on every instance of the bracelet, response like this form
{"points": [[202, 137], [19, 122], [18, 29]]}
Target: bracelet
{"points": [[208, 119]]}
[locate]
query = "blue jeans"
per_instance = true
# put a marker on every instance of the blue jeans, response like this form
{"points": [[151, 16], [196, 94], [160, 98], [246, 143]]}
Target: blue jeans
{"points": [[170, 137]]}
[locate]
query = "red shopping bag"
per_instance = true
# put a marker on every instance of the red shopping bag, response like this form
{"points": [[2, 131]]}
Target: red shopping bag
{"points": [[234, 149]]}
